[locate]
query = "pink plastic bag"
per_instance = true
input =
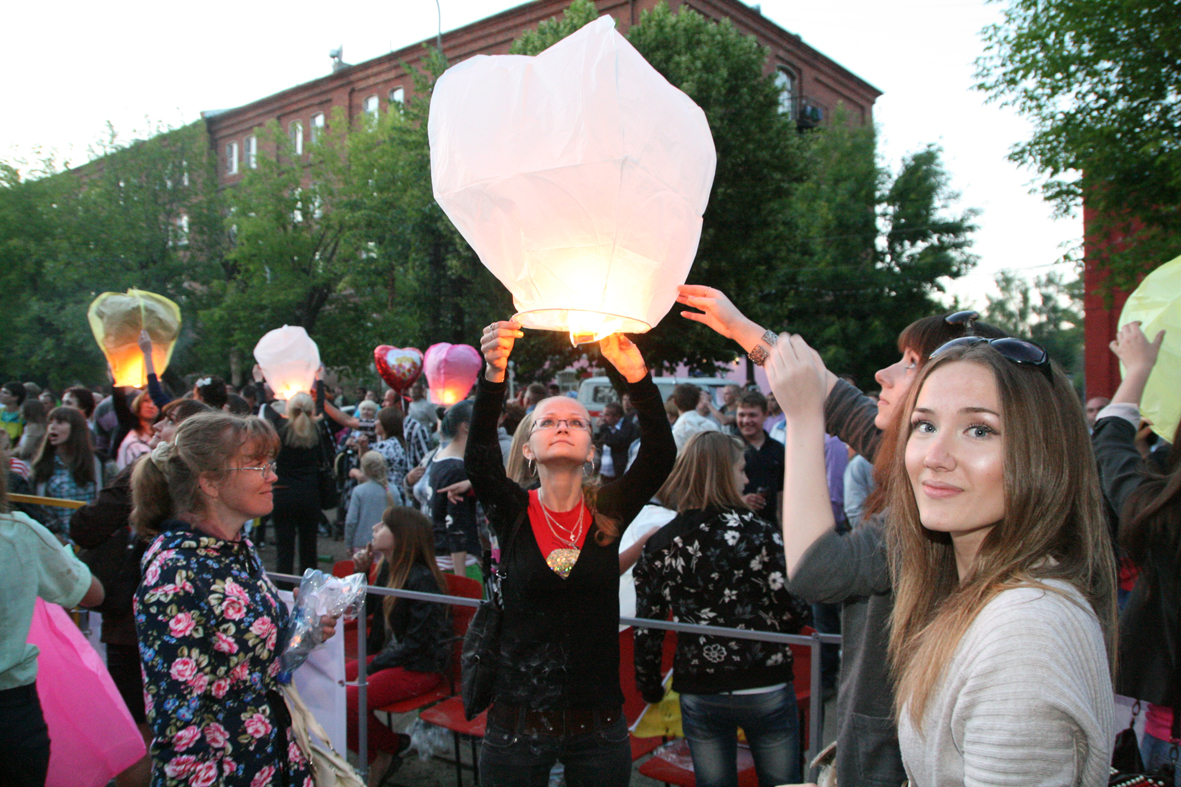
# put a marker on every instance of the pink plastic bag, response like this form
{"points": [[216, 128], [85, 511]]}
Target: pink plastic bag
{"points": [[92, 735]]}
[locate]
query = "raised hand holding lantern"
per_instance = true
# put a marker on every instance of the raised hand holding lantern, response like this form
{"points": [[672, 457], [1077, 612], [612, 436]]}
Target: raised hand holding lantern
{"points": [[579, 177], [289, 360], [450, 371], [116, 319], [398, 366]]}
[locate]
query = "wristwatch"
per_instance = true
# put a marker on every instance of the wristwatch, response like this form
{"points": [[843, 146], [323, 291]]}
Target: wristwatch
{"points": [[757, 354]]}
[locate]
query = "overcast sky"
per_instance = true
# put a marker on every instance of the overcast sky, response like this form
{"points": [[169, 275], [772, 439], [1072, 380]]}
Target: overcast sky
{"points": [[75, 66]]}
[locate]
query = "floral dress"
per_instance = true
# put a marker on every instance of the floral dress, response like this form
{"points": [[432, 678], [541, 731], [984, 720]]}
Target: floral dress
{"points": [[209, 621]]}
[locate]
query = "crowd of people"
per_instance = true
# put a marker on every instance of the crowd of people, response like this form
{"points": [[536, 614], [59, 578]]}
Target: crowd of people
{"points": [[960, 528]]}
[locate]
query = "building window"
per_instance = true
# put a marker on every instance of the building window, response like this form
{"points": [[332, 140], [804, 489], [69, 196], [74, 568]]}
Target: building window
{"points": [[295, 130], [398, 96], [232, 158], [252, 152], [317, 126], [370, 106], [181, 232], [786, 82]]}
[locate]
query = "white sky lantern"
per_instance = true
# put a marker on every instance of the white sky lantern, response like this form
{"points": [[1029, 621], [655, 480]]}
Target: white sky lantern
{"points": [[579, 176], [289, 360]]}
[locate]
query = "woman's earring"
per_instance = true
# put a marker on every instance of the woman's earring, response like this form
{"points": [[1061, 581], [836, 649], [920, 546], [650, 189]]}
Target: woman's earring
{"points": [[532, 465], [588, 469]]}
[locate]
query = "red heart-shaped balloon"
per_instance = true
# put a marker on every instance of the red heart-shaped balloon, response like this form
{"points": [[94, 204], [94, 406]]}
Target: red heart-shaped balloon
{"points": [[398, 366]]}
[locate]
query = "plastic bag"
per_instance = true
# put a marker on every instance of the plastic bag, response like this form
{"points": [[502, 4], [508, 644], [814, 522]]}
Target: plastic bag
{"points": [[93, 734], [429, 740], [319, 594]]}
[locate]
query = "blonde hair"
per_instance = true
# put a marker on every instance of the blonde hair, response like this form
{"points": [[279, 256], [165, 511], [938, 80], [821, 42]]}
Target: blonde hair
{"points": [[517, 469], [377, 470], [166, 484], [1053, 527], [300, 430], [703, 476]]}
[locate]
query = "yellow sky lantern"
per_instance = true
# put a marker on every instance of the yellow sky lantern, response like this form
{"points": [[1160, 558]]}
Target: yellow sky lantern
{"points": [[579, 176], [1156, 303], [289, 360], [116, 319]]}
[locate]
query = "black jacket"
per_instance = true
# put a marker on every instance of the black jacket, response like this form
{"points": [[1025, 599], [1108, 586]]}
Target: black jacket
{"points": [[617, 440], [1150, 623], [560, 637], [420, 635]]}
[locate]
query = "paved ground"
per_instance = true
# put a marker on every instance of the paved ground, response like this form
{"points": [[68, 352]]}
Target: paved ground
{"points": [[436, 770]]}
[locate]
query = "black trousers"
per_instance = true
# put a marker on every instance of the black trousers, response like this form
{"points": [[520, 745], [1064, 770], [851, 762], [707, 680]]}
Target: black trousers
{"points": [[24, 744], [288, 523]]}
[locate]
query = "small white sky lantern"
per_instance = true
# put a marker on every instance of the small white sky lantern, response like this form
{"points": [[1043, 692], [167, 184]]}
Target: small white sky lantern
{"points": [[116, 319], [289, 360], [451, 371], [579, 176]]}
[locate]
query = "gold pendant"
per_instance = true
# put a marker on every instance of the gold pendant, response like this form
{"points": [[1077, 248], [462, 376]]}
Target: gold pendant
{"points": [[561, 561]]}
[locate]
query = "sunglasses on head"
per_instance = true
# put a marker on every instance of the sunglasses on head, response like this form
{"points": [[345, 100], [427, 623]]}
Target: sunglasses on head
{"points": [[1018, 351], [965, 318]]}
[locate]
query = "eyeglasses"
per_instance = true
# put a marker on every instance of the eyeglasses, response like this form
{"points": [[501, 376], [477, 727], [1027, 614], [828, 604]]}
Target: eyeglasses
{"points": [[269, 467], [1018, 351], [552, 423], [965, 318]]}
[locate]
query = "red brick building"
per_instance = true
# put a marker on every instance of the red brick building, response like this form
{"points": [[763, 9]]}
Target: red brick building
{"points": [[813, 85]]}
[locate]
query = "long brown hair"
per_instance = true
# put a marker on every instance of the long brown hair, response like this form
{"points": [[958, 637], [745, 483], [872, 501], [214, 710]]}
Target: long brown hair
{"points": [[1151, 519], [922, 337], [414, 542], [77, 453], [703, 476], [166, 483], [1053, 527]]}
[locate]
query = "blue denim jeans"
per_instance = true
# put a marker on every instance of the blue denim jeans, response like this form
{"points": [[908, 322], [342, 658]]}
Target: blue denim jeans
{"points": [[1155, 752], [602, 758], [771, 722]]}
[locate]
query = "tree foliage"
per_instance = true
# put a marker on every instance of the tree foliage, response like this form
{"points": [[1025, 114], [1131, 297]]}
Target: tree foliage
{"points": [[805, 231], [1047, 310], [1101, 82]]}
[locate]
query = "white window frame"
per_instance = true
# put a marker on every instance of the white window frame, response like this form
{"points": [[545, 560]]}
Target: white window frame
{"points": [[317, 126], [785, 80], [398, 95], [250, 148], [371, 106], [295, 133], [232, 158]]}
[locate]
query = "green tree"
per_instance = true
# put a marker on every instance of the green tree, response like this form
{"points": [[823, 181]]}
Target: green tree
{"points": [[870, 249], [142, 214], [1047, 310], [1099, 80]]}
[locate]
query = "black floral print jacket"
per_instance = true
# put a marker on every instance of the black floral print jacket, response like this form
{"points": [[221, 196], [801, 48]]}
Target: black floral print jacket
{"points": [[715, 567]]}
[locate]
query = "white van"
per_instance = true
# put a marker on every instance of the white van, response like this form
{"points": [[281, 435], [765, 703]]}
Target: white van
{"points": [[594, 392]]}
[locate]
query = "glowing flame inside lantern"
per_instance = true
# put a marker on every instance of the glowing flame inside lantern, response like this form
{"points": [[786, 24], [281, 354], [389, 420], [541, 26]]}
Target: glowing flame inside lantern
{"points": [[116, 320], [451, 371], [589, 327]]}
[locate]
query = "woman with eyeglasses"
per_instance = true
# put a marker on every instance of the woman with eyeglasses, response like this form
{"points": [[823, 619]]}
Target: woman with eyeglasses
{"points": [[1003, 627], [849, 568], [557, 695], [207, 617]]}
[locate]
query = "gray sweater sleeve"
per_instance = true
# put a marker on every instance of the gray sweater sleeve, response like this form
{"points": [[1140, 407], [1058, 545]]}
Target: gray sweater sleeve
{"points": [[849, 414], [840, 567]]}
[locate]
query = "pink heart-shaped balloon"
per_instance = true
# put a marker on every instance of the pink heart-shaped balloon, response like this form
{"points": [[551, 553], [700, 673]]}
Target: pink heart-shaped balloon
{"points": [[451, 371], [398, 366]]}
